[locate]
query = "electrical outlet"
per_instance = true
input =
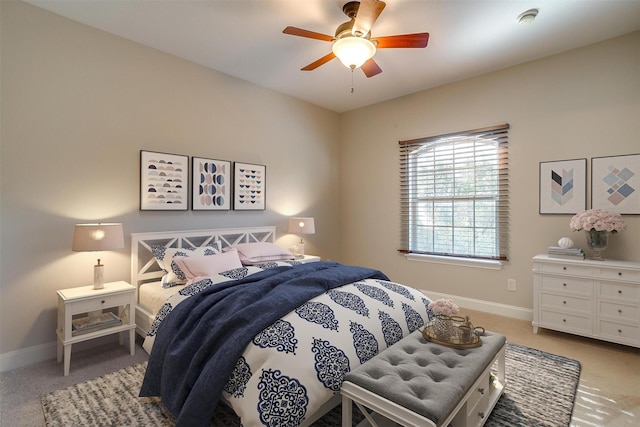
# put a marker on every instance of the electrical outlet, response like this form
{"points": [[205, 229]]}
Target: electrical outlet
{"points": [[511, 284]]}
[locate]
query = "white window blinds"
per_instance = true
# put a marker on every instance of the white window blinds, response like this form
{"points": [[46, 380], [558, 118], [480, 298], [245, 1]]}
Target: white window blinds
{"points": [[454, 194]]}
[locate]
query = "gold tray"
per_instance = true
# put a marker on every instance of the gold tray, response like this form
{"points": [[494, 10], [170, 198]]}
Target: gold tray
{"points": [[455, 340]]}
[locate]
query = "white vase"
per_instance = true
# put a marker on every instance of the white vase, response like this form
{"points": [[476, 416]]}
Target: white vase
{"points": [[597, 240]]}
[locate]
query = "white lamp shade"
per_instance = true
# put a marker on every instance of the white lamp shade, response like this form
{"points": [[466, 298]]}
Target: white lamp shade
{"points": [[97, 237], [353, 51], [302, 226]]}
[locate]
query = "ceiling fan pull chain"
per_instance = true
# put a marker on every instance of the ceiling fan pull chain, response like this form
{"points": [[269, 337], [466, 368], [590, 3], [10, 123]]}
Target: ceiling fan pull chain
{"points": [[352, 80]]}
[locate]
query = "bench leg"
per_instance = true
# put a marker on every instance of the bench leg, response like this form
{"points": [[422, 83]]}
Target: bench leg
{"points": [[347, 415]]}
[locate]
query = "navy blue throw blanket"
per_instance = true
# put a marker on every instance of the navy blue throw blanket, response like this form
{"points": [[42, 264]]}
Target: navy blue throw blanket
{"points": [[200, 341]]}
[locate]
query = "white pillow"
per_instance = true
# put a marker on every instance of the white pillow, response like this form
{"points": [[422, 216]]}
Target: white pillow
{"points": [[259, 252], [207, 266], [173, 275]]}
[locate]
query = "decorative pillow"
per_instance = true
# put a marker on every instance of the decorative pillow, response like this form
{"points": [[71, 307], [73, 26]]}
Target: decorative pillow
{"points": [[259, 252], [172, 274], [207, 266]]}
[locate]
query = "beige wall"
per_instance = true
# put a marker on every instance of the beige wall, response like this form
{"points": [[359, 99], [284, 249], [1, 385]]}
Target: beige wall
{"points": [[79, 104], [581, 104]]}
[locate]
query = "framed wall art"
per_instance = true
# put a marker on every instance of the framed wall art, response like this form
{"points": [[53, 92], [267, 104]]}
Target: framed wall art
{"points": [[615, 183], [249, 187], [210, 184], [163, 181], [563, 186]]}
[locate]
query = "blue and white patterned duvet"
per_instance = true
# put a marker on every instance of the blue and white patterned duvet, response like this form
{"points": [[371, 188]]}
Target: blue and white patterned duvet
{"points": [[295, 365]]}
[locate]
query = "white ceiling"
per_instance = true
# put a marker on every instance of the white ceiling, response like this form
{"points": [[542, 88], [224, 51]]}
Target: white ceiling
{"points": [[244, 38]]}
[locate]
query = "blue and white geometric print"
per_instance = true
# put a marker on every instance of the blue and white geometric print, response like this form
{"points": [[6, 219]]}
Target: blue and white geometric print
{"points": [[317, 312], [280, 335], [162, 313], [414, 320], [364, 342], [375, 293], [426, 302], [331, 364], [402, 290], [349, 300], [282, 400], [236, 273], [195, 287], [391, 329], [239, 378]]}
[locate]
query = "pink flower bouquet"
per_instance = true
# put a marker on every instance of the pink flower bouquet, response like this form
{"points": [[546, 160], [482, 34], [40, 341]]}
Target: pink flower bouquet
{"points": [[444, 306], [598, 220]]}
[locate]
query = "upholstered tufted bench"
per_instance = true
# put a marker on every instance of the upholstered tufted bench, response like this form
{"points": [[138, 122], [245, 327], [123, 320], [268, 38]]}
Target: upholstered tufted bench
{"points": [[418, 383]]}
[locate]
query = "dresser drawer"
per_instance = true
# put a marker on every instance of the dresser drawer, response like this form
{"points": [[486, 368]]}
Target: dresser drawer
{"points": [[568, 285], [620, 291], [107, 301], [565, 321], [563, 302], [620, 274], [568, 268], [620, 311], [620, 331]]}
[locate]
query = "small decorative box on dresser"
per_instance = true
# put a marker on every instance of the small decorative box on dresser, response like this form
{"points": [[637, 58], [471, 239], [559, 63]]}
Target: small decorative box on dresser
{"points": [[597, 299], [81, 316]]}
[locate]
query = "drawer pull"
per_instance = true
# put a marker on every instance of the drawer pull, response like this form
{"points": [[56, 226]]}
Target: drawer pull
{"points": [[619, 311], [481, 415], [564, 302], [619, 331], [481, 390], [620, 291], [564, 284], [564, 320], [619, 273], [102, 302], [564, 268]]}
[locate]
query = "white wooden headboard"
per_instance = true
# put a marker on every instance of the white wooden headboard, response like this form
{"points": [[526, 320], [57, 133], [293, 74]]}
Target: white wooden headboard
{"points": [[144, 267]]}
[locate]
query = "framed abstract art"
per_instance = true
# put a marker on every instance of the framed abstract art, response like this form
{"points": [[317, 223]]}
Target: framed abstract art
{"points": [[615, 183], [249, 187], [164, 184], [563, 186], [210, 184]]}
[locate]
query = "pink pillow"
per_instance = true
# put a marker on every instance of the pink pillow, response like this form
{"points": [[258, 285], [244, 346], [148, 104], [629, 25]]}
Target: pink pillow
{"points": [[198, 266], [258, 252]]}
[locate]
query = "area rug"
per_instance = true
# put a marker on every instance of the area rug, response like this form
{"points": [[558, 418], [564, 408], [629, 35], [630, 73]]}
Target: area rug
{"points": [[541, 390]]}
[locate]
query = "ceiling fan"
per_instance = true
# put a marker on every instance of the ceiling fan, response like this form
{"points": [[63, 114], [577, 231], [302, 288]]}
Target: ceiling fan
{"points": [[352, 43]]}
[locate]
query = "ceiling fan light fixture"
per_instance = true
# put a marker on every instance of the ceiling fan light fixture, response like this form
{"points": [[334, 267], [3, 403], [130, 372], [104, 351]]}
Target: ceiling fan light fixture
{"points": [[353, 51]]}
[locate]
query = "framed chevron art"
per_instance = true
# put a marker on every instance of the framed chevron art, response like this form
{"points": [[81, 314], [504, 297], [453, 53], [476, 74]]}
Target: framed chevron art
{"points": [[563, 186]]}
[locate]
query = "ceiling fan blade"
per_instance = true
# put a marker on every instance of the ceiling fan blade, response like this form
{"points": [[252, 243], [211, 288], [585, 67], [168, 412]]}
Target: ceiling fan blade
{"points": [[371, 68], [403, 41], [306, 33], [368, 13], [319, 62]]}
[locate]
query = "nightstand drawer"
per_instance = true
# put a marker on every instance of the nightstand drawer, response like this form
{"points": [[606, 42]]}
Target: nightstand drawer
{"points": [[105, 301]]}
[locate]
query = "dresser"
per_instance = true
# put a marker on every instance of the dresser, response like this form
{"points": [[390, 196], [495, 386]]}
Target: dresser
{"points": [[596, 299]]}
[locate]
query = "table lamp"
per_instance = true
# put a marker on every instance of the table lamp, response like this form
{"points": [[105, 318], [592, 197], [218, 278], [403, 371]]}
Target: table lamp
{"points": [[301, 226], [98, 237]]}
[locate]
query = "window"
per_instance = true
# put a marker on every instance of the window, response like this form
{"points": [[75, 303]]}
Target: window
{"points": [[454, 194]]}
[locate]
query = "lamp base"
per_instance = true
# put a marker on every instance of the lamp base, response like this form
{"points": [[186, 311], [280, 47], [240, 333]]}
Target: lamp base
{"points": [[98, 276]]}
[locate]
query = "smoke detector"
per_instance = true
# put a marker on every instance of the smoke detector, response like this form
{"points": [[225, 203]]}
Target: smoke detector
{"points": [[526, 18]]}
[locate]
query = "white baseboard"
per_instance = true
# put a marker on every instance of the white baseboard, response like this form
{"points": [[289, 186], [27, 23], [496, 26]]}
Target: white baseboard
{"points": [[43, 352], [486, 306], [27, 356]]}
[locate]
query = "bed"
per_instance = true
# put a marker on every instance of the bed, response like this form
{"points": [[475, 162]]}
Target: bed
{"points": [[274, 342]]}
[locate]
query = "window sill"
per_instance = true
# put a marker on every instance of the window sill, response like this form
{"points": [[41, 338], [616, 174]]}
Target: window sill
{"points": [[464, 262]]}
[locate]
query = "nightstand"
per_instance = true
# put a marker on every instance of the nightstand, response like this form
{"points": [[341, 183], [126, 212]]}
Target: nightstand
{"points": [[308, 258], [74, 306]]}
